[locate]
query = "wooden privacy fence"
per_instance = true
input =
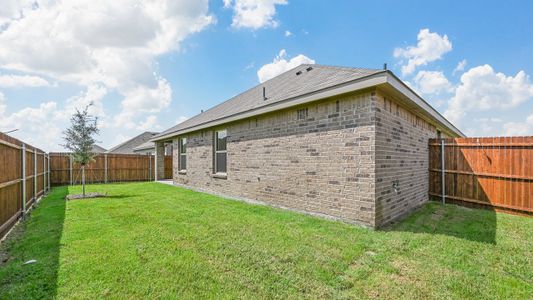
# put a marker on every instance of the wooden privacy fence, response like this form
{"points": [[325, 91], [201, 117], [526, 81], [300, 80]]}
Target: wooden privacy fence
{"points": [[106, 168], [24, 177], [492, 172]]}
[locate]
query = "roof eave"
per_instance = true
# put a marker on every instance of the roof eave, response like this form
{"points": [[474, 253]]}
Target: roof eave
{"points": [[404, 89], [351, 86]]}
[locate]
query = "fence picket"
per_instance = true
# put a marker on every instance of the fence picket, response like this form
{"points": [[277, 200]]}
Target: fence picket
{"points": [[491, 172]]}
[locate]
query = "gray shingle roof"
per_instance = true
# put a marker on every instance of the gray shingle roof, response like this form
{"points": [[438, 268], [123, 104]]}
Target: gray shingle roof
{"points": [[128, 146], [98, 149], [299, 81], [145, 146]]}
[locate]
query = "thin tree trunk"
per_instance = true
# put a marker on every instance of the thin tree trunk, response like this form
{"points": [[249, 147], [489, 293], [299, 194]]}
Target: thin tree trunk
{"points": [[83, 180]]}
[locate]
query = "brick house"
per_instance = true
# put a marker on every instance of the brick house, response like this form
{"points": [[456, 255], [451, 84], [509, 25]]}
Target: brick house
{"points": [[345, 143]]}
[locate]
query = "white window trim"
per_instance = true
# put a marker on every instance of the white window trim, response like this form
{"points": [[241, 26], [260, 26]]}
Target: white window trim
{"points": [[181, 153], [216, 172]]}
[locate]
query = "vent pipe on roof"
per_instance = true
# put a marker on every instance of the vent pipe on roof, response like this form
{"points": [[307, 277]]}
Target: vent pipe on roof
{"points": [[385, 66], [264, 94]]}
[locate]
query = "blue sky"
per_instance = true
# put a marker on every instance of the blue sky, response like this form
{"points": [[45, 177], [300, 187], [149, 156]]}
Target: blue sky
{"points": [[149, 65]]}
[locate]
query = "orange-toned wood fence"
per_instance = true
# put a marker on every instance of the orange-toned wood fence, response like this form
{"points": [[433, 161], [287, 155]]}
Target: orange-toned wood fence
{"points": [[24, 178], [106, 168], [490, 172]]}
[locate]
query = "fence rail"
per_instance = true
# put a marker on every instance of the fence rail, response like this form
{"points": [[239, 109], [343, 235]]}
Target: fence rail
{"points": [[24, 177], [491, 172], [106, 168]]}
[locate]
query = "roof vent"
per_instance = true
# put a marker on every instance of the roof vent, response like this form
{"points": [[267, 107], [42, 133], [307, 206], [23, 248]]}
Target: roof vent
{"points": [[309, 68], [298, 73], [264, 94]]}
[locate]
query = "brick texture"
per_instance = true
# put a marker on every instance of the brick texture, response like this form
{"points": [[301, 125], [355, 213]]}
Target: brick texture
{"points": [[322, 164], [360, 158], [402, 155]]}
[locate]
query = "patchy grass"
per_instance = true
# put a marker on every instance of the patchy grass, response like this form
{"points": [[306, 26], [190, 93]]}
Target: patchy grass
{"points": [[149, 240]]}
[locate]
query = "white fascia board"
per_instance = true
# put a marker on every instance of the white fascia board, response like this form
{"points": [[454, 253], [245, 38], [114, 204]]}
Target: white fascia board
{"points": [[404, 89]]}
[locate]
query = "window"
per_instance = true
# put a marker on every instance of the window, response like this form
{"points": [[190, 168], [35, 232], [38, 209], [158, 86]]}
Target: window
{"points": [[220, 151], [301, 114], [337, 106], [182, 149]]}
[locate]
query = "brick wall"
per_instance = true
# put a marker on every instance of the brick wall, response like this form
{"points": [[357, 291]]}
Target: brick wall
{"points": [[323, 164], [360, 158], [401, 160]]}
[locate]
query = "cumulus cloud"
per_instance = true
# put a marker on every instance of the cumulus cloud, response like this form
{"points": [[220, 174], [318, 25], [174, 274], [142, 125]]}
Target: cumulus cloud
{"points": [[432, 82], [141, 100], [36, 125], [14, 81], [42, 126], [12, 9], [460, 67], [430, 47], [113, 44], [181, 119], [519, 128], [482, 89], [254, 14], [107, 47], [281, 64], [287, 33]]}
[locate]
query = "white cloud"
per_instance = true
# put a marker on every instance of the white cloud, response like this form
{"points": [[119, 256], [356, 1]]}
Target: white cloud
{"points": [[280, 64], [519, 128], [254, 14], [142, 100], [113, 44], [483, 89], [36, 125], [460, 67], [149, 124], [430, 47], [432, 82], [11, 81], [181, 119], [12, 9], [42, 126], [93, 95], [287, 33]]}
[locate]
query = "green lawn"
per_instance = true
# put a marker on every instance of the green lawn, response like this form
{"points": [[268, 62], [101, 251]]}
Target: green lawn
{"points": [[149, 240]]}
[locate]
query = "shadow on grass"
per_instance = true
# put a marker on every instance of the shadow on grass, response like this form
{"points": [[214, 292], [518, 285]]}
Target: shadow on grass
{"points": [[466, 223], [37, 237]]}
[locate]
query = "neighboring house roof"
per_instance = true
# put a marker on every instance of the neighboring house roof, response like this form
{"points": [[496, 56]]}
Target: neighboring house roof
{"points": [[128, 146], [144, 146], [303, 84], [98, 149]]}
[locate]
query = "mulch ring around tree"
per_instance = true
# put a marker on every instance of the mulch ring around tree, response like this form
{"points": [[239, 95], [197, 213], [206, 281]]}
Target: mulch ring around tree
{"points": [[87, 196]]}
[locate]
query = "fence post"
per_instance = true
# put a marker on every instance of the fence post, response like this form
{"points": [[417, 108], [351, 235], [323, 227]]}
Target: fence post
{"points": [[150, 167], [105, 167], [44, 172], [34, 174], [23, 179], [49, 176], [443, 172], [70, 168]]}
